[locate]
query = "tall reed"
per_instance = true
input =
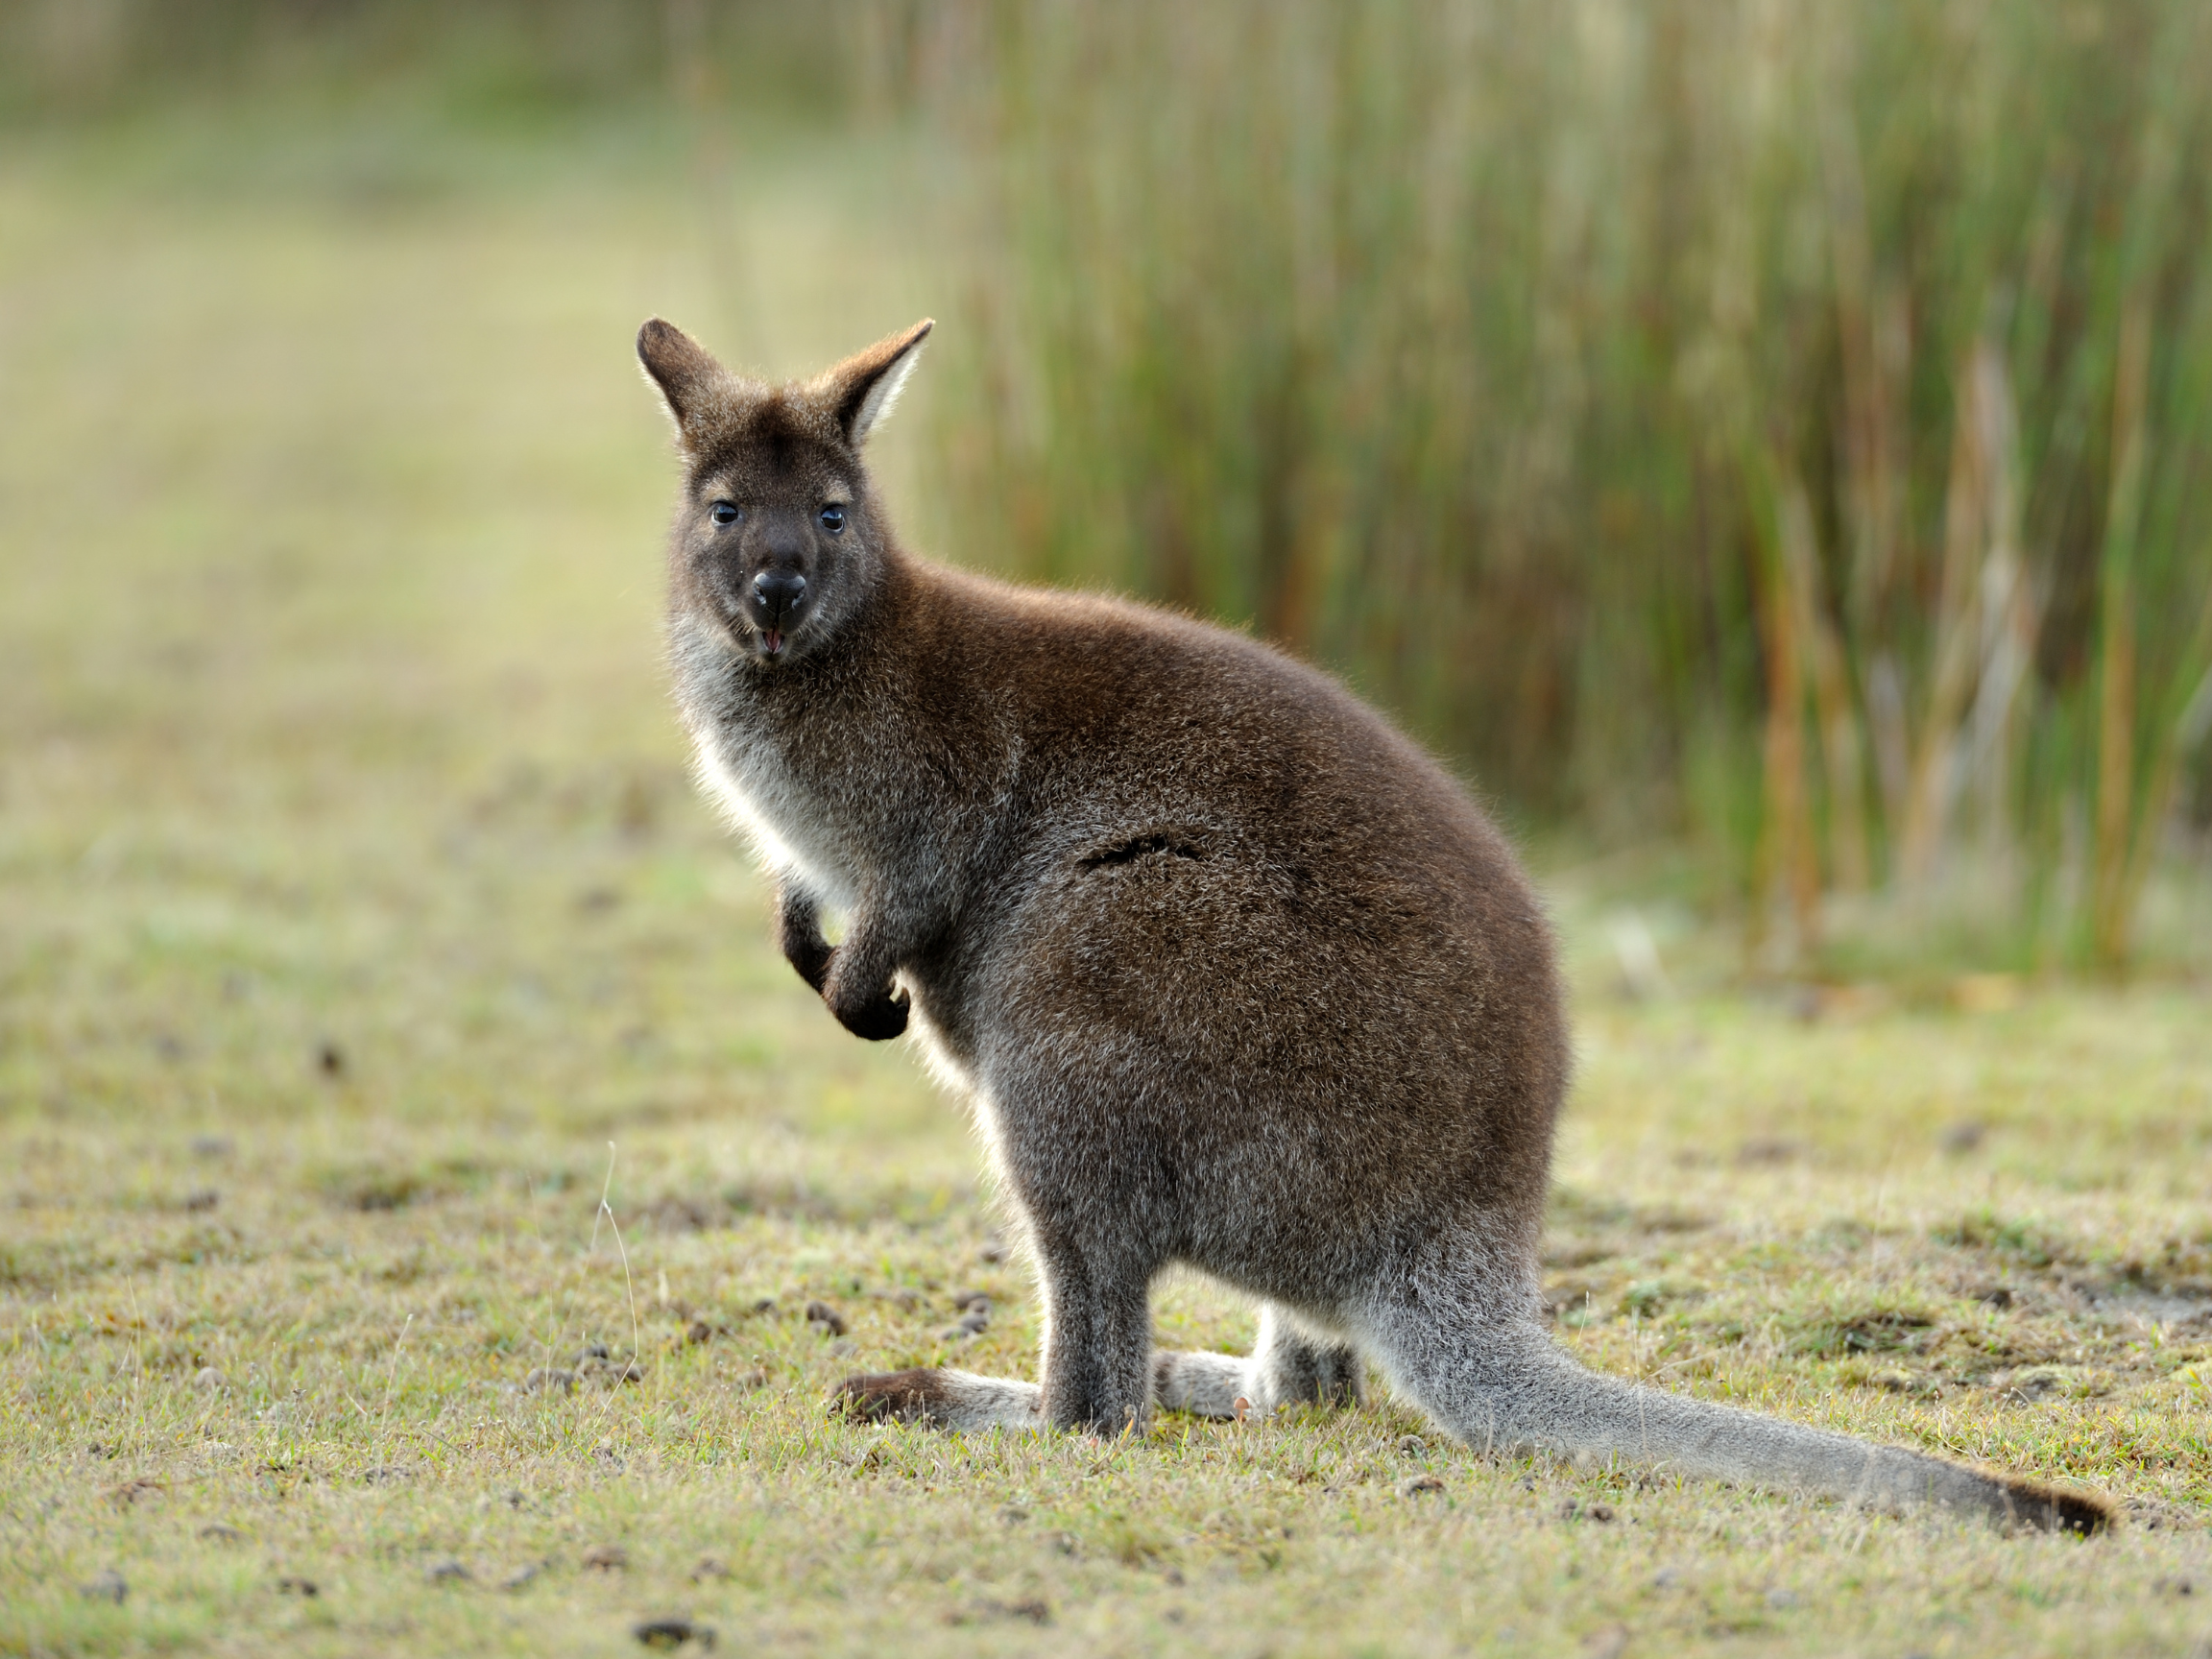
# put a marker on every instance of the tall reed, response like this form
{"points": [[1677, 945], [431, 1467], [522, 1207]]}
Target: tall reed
{"points": [[1785, 425]]}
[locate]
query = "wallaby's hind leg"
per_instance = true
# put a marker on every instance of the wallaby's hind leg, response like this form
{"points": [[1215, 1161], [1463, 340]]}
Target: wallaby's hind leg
{"points": [[1291, 1365], [1097, 1335], [1295, 1366]]}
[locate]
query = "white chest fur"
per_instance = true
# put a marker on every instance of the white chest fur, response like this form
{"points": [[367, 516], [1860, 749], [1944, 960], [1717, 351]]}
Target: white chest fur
{"points": [[791, 825], [759, 796]]}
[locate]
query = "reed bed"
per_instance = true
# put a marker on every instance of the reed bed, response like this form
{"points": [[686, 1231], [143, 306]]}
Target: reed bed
{"points": [[1779, 427]]}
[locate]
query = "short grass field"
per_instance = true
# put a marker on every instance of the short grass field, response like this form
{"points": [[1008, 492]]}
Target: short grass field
{"points": [[417, 1168]]}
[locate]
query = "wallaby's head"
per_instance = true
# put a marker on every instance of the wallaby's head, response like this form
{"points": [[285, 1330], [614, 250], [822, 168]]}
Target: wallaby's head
{"points": [[778, 534]]}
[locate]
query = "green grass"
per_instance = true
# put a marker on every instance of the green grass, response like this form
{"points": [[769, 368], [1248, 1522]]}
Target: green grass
{"points": [[331, 724]]}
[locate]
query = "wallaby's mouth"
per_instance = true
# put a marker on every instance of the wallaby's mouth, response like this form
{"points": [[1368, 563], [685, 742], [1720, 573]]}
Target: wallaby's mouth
{"points": [[761, 619], [758, 640], [755, 642]]}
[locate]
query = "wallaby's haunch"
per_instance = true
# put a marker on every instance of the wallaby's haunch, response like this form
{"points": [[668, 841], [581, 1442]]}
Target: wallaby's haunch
{"points": [[1232, 973]]}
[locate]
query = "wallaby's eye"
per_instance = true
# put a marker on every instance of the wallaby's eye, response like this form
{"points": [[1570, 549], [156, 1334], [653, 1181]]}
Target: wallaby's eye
{"points": [[833, 520], [723, 513]]}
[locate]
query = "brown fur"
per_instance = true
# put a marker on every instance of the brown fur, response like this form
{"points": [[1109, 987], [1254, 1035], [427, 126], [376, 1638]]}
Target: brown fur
{"points": [[1233, 975]]}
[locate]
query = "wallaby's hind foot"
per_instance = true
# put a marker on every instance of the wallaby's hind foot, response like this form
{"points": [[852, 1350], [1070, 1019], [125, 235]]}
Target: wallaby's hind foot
{"points": [[947, 1399], [1289, 1365], [1203, 1385]]}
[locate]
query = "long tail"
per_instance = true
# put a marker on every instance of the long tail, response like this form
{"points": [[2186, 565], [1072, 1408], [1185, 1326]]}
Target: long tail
{"points": [[1528, 1393]]}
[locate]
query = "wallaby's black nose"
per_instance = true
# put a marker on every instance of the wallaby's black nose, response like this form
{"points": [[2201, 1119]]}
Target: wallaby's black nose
{"points": [[777, 593]]}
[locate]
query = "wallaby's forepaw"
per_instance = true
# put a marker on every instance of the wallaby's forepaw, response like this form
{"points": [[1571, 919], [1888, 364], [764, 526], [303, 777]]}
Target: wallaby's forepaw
{"points": [[878, 1019], [916, 1396]]}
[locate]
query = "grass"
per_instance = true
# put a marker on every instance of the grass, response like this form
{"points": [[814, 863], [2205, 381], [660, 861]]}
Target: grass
{"points": [[382, 1023]]}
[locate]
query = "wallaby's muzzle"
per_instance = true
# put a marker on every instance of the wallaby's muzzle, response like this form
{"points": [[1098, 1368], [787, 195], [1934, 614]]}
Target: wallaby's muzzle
{"points": [[774, 605], [766, 586]]}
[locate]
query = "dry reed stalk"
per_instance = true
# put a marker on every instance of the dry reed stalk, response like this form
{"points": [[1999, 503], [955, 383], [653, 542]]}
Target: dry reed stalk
{"points": [[1872, 346], [2009, 612], [2110, 903], [1787, 856], [1978, 643], [1831, 685], [1957, 629]]}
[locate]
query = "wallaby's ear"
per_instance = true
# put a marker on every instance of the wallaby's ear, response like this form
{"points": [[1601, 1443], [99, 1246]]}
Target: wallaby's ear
{"points": [[694, 386], [859, 392]]}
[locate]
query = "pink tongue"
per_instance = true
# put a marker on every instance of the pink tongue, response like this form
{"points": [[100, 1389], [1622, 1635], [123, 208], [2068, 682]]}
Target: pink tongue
{"points": [[774, 642]]}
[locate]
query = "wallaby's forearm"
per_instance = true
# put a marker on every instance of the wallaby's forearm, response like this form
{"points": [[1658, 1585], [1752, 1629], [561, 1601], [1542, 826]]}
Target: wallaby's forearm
{"points": [[854, 978]]}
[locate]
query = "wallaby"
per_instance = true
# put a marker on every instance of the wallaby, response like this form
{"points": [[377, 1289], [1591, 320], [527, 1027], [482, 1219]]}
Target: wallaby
{"points": [[1232, 973]]}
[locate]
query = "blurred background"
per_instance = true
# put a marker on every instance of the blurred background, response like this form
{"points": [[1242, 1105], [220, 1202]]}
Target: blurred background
{"points": [[1764, 447]]}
